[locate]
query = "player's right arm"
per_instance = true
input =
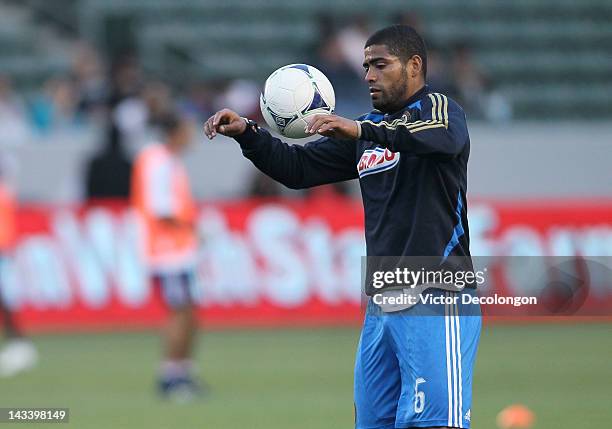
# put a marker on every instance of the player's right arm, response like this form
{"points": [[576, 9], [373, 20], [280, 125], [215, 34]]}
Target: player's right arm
{"points": [[316, 163]]}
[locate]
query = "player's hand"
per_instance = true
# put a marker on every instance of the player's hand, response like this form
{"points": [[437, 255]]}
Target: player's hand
{"points": [[225, 122], [333, 126]]}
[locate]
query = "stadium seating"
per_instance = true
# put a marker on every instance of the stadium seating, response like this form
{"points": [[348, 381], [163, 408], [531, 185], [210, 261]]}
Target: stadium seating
{"points": [[28, 54], [544, 55]]}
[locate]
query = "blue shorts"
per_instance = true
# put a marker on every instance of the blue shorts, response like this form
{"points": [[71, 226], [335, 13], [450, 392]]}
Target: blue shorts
{"points": [[414, 367], [178, 290]]}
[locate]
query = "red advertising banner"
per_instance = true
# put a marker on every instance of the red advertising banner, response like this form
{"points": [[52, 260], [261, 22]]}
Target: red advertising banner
{"points": [[261, 262]]}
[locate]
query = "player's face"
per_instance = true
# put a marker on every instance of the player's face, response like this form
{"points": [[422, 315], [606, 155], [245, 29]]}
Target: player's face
{"points": [[387, 77]]}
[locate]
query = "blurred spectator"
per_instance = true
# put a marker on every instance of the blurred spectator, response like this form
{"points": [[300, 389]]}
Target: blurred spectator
{"points": [[129, 111], [162, 197], [499, 108], [438, 77], [157, 98], [90, 82], [108, 173], [131, 116], [13, 118], [197, 102], [327, 27], [55, 109], [352, 97], [469, 79], [126, 79], [473, 88], [241, 96], [351, 41]]}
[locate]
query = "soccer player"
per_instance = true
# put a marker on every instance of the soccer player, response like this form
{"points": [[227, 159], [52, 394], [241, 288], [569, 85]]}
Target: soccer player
{"points": [[162, 196], [410, 156]]}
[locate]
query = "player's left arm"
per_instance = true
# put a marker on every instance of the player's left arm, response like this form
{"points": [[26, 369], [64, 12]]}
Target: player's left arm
{"points": [[442, 130]]}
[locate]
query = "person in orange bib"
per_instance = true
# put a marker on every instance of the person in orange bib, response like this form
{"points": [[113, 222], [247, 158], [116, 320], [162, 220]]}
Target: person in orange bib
{"points": [[161, 196], [18, 354]]}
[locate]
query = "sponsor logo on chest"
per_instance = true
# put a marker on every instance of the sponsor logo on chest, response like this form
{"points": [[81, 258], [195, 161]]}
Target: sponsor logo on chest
{"points": [[376, 161]]}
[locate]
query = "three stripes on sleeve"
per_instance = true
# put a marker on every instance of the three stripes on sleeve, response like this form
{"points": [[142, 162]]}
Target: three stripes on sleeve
{"points": [[439, 117]]}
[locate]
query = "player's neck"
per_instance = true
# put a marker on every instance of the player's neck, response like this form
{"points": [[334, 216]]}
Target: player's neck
{"points": [[414, 88], [412, 93]]}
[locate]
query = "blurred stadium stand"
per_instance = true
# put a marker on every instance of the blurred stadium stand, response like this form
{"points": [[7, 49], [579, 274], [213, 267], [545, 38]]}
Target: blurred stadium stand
{"points": [[544, 55], [547, 59], [29, 53]]}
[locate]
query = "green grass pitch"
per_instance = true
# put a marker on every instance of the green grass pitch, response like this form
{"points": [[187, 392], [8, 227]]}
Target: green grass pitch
{"points": [[302, 379]]}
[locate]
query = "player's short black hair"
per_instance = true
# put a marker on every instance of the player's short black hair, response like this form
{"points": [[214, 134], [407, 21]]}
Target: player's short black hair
{"points": [[168, 122], [403, 41]]}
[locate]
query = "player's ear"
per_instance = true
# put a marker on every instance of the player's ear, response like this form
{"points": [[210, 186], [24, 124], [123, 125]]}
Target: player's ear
{"points": [[415, 66]]}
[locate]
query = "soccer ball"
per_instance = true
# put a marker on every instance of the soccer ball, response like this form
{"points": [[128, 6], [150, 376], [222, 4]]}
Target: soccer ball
{"points": [[292, 94]]}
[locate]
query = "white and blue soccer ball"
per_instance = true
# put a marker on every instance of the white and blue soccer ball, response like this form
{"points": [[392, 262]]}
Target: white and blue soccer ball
{"points": [[291, 95]]}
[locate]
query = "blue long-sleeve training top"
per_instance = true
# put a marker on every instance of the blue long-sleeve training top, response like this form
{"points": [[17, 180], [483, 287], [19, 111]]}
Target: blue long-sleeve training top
{"points": [[412, 169]]}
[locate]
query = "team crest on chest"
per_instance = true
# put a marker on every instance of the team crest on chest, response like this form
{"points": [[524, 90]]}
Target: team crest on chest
{"points": [[376, 160]]}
